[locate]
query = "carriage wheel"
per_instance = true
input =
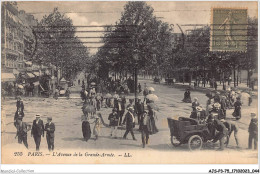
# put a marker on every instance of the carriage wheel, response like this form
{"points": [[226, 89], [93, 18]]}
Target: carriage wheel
{"points": [[175, 142], [195, 142]]}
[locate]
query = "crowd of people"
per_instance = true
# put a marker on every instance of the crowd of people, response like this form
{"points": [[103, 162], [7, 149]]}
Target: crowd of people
{"points": [[37, 128], [214, 115], [127, 114], [124, 113]]}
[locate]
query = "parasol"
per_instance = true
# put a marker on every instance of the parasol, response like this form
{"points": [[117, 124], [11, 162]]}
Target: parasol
{"points": [[153, 106], [93, 83], [151, 89], [116, 96], [89, 109], [245, 97], [152, 97], [108, 95], [20, 86], [62, 92]]}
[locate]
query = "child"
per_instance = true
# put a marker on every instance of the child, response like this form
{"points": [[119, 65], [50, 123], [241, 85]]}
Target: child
{"points": [[96, 128], [253, 131], [113, 122]]}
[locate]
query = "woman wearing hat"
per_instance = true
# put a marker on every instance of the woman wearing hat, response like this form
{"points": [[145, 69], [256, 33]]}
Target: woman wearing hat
{"points": [[151, 124], [195, 104], [187, 98], [237, 110]]}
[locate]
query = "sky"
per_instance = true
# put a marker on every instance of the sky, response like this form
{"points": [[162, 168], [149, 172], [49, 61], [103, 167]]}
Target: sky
{"points": [[108, 12]]}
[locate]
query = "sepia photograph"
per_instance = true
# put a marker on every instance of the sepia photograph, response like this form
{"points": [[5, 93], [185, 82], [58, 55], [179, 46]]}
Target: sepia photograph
{"points": [[129, 82]]}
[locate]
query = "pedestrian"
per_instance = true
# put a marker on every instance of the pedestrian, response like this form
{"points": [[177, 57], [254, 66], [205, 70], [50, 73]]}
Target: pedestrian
{"points": [[139, 87], [18, 116], [130, 122], [86, 131], [253, 131], [78, 81], [139, 109], [232, 127], [152, 128], [215, 85], [224, 106], [187, 98], [250, 99], [145, 92], [120, 109], [37, 131], [22, 129], [222, 133], [113, 122], [217, 97], [50, 129], [97, 126], [56, 93], [131, 103], [237, 110], [195, 104], [19, 104], [144, 129]]}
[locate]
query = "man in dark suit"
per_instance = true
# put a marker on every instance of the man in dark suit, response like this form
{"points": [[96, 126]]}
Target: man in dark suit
{"points": [[50, 129], [130, 121], [37, 131]]}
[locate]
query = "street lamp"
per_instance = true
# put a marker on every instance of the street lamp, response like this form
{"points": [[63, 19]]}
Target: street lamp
{"points": [[136, 57]]}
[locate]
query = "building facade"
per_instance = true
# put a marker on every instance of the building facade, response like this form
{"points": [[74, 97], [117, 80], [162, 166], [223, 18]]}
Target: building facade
{"points": [[12, 38]]}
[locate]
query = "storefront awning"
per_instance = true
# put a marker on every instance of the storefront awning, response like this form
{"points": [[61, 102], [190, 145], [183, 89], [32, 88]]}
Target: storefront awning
{"points": [[30, 75], [8, 77], [36, 83], [37, 74]]}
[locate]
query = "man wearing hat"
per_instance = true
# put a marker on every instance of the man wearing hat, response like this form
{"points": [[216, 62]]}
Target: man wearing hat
{"points": [[37, 131], [130, 122], [50, 129], [253, 131]]}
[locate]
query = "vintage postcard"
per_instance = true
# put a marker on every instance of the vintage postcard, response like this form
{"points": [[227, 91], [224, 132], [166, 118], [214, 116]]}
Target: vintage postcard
{"points": [[127, 82]]}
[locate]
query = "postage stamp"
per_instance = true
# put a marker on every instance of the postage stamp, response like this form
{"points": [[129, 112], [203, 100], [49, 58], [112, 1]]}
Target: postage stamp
{"points": [[228, 29]]}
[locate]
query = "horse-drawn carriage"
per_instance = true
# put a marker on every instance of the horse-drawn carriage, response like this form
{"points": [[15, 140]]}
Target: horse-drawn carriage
{"points": [[188, 131]]}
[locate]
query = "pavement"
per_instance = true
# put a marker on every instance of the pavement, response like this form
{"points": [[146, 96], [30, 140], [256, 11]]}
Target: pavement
{"points": [[67, 114]]}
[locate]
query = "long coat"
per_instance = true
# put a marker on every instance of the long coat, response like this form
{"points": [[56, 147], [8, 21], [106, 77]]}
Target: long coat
{"points": [[50, 133], [130, 123], [86, 130], [37, 129]]}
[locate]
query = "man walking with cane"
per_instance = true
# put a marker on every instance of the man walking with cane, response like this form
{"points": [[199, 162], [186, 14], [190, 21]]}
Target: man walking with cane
{"points": [[130, 122], [37, 131]]}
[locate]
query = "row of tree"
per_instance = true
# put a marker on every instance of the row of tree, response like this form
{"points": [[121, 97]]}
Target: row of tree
{"points": [[141, 40], [58, 45]]}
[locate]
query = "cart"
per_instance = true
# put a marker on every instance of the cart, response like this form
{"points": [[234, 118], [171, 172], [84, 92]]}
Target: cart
{"points": [[188, 131]]}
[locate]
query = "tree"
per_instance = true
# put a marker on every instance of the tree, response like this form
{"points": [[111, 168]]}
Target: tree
{"points": [[140, 33], [58, 45]]}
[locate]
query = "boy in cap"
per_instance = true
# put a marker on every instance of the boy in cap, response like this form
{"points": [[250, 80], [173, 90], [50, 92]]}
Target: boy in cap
{"points": [[37, 131], [253, 131], [50, 129]]}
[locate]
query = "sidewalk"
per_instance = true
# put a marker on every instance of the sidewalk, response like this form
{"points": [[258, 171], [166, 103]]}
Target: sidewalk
{"points": [[201, 88]]}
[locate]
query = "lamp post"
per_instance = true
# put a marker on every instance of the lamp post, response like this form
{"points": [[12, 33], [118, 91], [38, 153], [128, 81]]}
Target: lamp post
{"points": [[135, 56]]}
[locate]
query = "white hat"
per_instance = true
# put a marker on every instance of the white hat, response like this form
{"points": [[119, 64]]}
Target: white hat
{"points": [[37, 115]]}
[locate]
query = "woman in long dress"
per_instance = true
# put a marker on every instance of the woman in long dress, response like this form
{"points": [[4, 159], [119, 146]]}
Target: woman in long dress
{"points": [[151, 122], [86, 130]]}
